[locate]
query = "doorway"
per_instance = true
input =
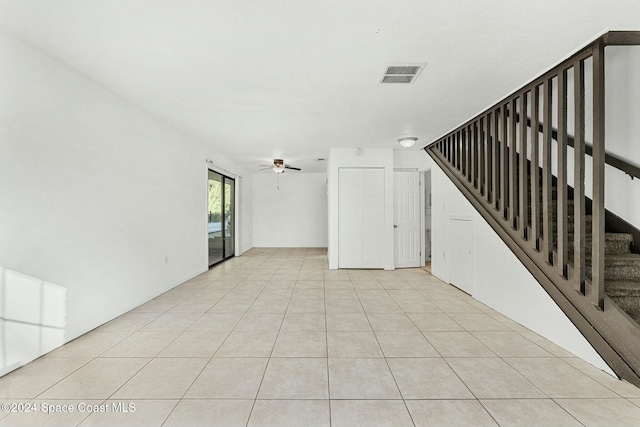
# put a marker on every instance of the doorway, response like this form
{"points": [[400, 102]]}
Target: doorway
{"points": [[427, 218], [221, 217], [406, 219]]}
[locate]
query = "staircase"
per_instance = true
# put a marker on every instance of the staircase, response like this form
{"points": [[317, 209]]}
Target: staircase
{"points": [[621, 266], [512, 165]]}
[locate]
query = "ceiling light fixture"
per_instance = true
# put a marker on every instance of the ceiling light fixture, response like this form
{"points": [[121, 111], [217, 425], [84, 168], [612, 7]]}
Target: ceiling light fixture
{"points": [[278, 168], [407, 141]]}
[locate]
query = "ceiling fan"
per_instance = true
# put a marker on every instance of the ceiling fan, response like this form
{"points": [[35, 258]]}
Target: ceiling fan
{"points": [[279, 166]]}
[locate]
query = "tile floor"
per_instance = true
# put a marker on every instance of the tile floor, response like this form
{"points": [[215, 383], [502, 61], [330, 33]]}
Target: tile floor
{"points": [[274, 338]]}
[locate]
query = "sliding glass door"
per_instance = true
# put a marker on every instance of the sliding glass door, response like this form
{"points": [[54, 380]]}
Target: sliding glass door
{"points": [[221, 227], [228, 229]]}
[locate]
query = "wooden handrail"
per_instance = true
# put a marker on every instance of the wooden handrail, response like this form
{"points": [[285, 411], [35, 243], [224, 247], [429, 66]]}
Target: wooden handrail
{"points": [[611, 159]]}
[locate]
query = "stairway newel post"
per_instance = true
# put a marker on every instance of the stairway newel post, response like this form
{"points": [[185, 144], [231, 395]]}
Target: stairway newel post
{"points": [[597, 283]]}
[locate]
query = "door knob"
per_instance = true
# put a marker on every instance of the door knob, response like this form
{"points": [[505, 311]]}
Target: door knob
{"points": [[395, 226]]}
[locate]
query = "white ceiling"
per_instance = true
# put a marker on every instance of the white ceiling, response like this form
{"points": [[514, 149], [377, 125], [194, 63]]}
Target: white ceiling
{"points": [[264, 79]]}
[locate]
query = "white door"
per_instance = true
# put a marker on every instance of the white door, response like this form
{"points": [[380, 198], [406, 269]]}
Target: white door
{"points": [[350, 211], [361, 214], [406, 219], [461, 264], [373, 247]]}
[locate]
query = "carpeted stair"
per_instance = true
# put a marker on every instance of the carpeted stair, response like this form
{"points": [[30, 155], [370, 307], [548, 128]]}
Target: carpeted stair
{"points": [[621, 266], [621, 271]]}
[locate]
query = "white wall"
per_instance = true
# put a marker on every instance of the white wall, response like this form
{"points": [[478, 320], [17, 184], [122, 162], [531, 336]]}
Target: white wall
{"points": [[244, 200], [294, 215], [95, 192], [622, 131], [500, 280], [412, 159], [352, 158]]}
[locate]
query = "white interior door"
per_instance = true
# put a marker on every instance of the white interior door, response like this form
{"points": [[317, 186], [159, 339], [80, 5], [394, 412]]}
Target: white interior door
{"points": [[373, 218], [350, 210], [361, 213], [406, 219], [461, 264]]}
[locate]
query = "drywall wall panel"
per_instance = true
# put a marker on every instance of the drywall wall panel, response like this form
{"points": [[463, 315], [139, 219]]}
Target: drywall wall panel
{"points": [[290, 210], [500, 280]]}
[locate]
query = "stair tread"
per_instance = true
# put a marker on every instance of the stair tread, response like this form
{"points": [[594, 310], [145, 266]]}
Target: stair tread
{"points": [[626, 237], [612, 236], [622, 288], [623, 257], [623, 237]]}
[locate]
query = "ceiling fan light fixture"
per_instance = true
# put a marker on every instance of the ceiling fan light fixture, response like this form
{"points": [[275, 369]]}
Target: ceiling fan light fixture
{"points": [[278, 168], [407, 141]]}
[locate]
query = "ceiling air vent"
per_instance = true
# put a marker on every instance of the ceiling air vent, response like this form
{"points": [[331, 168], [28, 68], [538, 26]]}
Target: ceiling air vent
{"points": [[401, 73]]}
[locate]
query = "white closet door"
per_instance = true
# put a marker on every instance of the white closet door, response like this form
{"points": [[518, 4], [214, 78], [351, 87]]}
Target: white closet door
{"points": [[373, 218], [361, 218], [350, 218]]}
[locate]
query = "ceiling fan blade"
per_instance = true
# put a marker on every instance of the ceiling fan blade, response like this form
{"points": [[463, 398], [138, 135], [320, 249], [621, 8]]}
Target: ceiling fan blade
{"points": [[291, 167], [264, 169]]}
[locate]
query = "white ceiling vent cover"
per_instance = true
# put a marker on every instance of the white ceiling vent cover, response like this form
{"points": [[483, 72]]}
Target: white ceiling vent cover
{"points": [[404, 73]]}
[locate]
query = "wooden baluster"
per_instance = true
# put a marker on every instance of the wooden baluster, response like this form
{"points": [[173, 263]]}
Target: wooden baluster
{"points": [[478, 138], [513, 168], [462, 152], [578, 179], [482, 171], [598, 153], [471, 153], [504, 160], [547, 238], [452, 150], [489, 160], [461, 139], [495, 170], [467, 153], [447, 149], [563, 206], [457, 139], [535, 168], [523, 190], [444, 147], [487, 156], [474, 146]]}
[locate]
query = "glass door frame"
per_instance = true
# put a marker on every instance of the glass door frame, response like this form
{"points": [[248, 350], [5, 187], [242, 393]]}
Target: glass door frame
{"points": [[223, 214]]}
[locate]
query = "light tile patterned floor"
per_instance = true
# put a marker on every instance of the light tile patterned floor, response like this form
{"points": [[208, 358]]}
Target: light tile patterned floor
{"points": [[274, 338]]}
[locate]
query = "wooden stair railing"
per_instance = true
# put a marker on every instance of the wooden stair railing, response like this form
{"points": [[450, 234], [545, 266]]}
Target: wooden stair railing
{"points": [[488, 158]]}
